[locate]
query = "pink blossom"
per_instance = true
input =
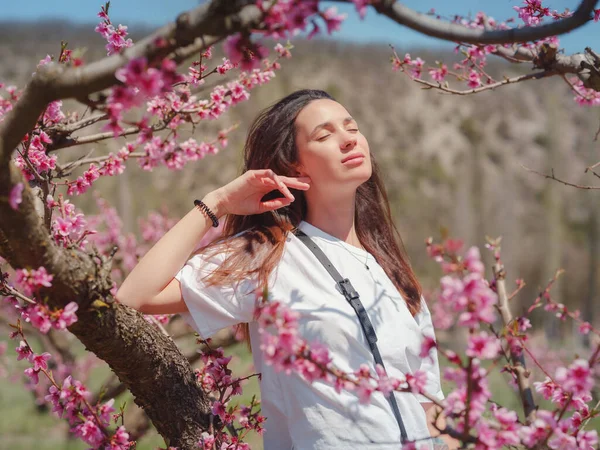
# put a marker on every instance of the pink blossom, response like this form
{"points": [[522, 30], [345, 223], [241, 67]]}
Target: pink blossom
{"points": [[207, 441], [471, 296], [39, 361], [32, 374], [385, 384], [332, 19], [577, 378], [31, 280], [119, 440], [524, 323], [417, 381], [37, 156], [415, 66], [225, 67], [232, 47], [562, 440], [547, 388], [587, 439], [103, 29], [39, 318], [283, 51], [509, 426], [473, 262], [67, 316], [483, 346], [474, 79], [427, 345], [439, 74], [23, 351], [62, 226], [533, 12], [46, 60], [79, 186], [361, 7], [53, 114], [364, 390], [114, 36], [89, 432], [584, 96], [585, 327], [242, 51]]}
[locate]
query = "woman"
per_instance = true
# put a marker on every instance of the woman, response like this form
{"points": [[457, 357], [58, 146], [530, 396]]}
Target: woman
{"points": [[307, 167]]}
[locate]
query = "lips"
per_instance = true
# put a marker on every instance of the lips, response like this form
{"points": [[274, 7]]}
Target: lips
{"points": [[352, 156]]}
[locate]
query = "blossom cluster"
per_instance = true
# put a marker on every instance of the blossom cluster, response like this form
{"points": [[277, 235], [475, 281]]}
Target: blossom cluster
{"points": [[35, 154], [140, 81], [471, 69], [116, 37], [160, 91], [217, 380], [470, 295], [68, 227], [465, 292], [29, 282], [70, 400]]}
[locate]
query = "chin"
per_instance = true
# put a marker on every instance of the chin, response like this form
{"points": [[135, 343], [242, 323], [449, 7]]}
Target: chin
{"points": [[359, 177]]}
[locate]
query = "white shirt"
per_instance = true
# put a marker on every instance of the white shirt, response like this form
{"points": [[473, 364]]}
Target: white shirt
{"points": [[302, 415]]}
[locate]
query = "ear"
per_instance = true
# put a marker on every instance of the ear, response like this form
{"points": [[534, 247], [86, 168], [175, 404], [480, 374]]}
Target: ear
{"points": [[298, 170]]}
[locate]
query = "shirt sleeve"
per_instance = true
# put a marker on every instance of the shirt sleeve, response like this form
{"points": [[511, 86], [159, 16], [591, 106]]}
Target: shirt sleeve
{"points": [[429, 364], [213, 307]]}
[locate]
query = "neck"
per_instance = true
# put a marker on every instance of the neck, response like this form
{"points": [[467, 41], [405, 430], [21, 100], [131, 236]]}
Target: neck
{"points": [[335, 216]]}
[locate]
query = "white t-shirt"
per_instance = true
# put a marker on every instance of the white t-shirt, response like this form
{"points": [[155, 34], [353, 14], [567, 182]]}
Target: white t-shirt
{"points": [[302, 415]]}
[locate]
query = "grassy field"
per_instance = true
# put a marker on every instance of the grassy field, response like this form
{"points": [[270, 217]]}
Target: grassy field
{"points": [[23, 427]]}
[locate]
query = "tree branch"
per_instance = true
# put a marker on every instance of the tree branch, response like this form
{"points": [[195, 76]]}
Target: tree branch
{"points": [[448, 31], [518, 362], [115, 333], [485, 87], [75, 126]]}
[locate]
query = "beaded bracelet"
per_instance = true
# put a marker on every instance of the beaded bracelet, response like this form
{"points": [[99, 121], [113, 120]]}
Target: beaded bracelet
{"points": [[207, 211]]}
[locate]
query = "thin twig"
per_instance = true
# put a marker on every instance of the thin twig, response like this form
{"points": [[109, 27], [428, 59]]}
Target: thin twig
{"points": [[518, 362], [552, 177]]}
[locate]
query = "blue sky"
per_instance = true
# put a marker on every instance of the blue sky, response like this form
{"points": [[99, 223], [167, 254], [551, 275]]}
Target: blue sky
{"points": [[375, 29]]}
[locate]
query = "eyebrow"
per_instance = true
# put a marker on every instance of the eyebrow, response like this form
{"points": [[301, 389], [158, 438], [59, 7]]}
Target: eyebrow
{"points": [[325, 124]]}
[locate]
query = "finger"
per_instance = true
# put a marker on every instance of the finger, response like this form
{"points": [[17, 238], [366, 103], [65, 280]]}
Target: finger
{"points": [[270, 205], [284, 189], [301, 183], [259, 173]]}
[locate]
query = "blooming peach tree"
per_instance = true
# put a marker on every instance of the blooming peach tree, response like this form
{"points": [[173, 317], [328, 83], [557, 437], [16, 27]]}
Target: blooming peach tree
{"points": [[60, 268]]}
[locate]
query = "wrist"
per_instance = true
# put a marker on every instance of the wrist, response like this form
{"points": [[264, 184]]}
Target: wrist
{"points": [[215, 204]]}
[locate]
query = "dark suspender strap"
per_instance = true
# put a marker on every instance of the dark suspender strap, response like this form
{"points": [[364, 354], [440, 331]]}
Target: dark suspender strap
{"points": [[353, 298]]}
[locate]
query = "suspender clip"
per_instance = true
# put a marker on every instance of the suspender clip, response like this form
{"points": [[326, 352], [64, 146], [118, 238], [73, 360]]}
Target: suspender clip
{"points": [[347, 289]]}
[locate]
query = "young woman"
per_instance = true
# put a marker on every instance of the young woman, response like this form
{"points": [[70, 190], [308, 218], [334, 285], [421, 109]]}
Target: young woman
{"points": [[307, 166]]}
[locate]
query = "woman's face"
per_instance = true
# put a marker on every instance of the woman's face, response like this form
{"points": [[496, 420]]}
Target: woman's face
{"points": [[331, 149]]}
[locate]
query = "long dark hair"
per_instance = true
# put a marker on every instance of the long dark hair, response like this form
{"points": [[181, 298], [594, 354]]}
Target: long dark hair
{"points": [[271, 144]]}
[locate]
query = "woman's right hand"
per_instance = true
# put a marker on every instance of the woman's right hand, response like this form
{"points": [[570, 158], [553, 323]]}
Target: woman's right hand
{"points": [[243, 195]]}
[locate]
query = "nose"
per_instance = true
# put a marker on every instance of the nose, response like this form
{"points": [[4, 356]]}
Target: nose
{"points": [[349, 141]]}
